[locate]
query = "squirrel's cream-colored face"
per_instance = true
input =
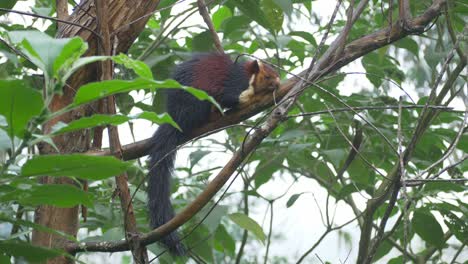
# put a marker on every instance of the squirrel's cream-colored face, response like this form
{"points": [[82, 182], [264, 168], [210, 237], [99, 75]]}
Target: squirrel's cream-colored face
{"points": [[266, 79]]}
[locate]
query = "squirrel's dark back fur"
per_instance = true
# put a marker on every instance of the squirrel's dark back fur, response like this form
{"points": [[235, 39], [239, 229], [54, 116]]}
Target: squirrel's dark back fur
{"points": [[222, 79]]}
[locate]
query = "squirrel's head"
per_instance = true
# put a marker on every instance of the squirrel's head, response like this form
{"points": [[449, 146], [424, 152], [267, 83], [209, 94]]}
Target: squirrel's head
{"points": [[263, 77]]}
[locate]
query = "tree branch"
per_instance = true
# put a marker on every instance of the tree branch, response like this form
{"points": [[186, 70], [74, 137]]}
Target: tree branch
{"points": [[131, 231], [202, 8], [289, 88]]}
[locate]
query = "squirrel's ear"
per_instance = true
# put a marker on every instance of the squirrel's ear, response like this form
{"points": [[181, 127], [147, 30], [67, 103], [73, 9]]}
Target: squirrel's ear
{"points": [[255, 67]]}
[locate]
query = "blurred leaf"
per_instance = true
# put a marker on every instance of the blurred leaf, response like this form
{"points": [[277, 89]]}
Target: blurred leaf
{"points": [[252, 9], [234, 24], [26, 250], [9, 219], [203, 42], [286, 6], [458, 226], [103, 120], [220, 16], [75, 165], [59, 195], [293, 199], [379, 67], [436, 187], [226, 242], [249, 224], [305, 35], [336, 156], [3, 257], [202, 241], [54, 56], [273, 14], [383, 249], [397, 260], [18, 104], [124, 102], [98, 90], [427, 227], [139, 67], [408, 44], [213, 216], [265, 169], [7, 4], [196, 156]]}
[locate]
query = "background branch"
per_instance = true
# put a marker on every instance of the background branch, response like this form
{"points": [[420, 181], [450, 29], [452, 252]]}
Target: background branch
{"points": [[352, 51]]}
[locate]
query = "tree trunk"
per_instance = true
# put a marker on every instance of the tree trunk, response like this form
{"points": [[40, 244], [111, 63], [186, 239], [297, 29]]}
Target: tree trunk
{"points": [[127, 19]]}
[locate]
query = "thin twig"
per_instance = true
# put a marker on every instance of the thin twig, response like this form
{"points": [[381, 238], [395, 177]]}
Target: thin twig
{"points": [[131, 231], [246, 212], [370, 108], [450, 150], [202, 8], [402, 172], [418, 182], [51, 18], [270, 231]]}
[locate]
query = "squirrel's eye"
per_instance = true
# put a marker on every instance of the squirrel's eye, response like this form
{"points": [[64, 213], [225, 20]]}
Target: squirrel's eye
{"points": [[267, 78]]}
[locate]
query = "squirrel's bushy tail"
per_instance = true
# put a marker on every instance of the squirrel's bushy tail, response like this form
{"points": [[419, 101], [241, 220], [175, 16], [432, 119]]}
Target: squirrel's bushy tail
{"points": [[161, 165]]}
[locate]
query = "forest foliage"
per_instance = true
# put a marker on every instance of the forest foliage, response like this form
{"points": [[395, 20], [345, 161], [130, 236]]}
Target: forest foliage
{"points": [[346, 134]]}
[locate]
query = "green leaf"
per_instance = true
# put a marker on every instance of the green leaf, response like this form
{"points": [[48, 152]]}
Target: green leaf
{"points": [[125, 103], [266, 168], [18, 104], [103, 120], [139, 67], [225, 241], [286, 6], [7, 4], [80, 166], [252, 9], [212, 216], [244, 221], [305, 35], [97, 90], [379, 67], [202, 95], [273, 13], [6, 218], [196, 156], [348, 189], [203, 42], [427, 227], [408, 44], [3, 257], [397, 260], [293, 199], [383, 249], [59, 195], [336, 156], [157, 119], [202, 243], [51, 55], [220, 15], [436, 187], [72, 50], [458, 226], [65, 73], [235, 24], [26, 250]]}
